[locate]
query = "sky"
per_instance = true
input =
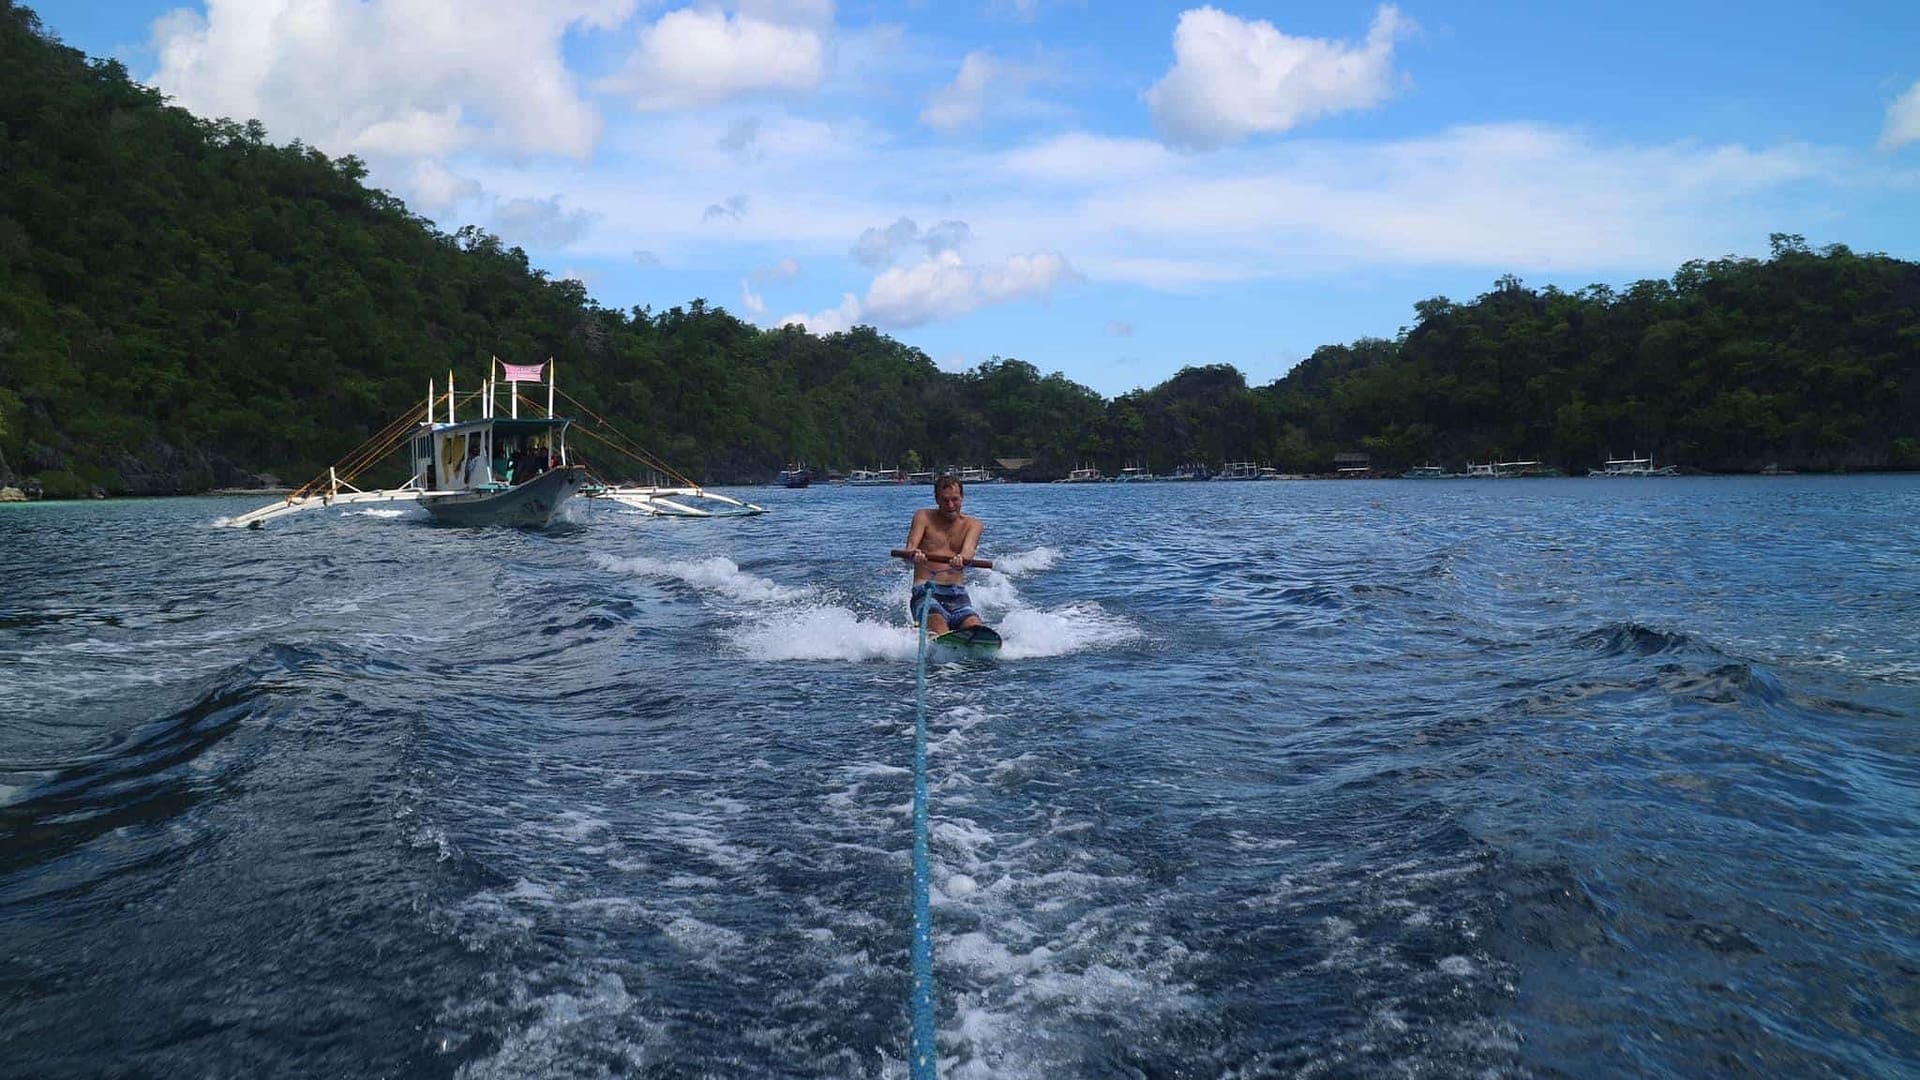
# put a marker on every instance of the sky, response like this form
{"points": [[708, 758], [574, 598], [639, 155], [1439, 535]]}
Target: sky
{"points": [[1113, 191]]}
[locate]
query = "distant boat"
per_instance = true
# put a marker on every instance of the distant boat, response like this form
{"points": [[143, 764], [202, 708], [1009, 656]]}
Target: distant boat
{"points": [[1239, 470], [924, 477], [1084, 475], [1427, 472], [1188, 472], [1632, 466], [1134, 474], [875, 478], [974, 475], [1503, 470], [795, 476]]}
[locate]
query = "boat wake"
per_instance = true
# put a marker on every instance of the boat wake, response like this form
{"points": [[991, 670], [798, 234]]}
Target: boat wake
{"points": [[777, 622]]}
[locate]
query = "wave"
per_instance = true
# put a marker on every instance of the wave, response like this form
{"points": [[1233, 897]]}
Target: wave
{"points": [[147, 777], [1633, 639]]}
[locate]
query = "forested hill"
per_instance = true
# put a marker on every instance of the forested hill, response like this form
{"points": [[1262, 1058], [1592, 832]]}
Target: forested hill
{"points": [[184, 304]]}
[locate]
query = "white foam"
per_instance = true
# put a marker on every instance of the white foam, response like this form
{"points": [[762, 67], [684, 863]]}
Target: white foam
{"points": [[700, 937], [376, 512], [717, 574], [1021, 562], [1029, 632], [827, 633]]}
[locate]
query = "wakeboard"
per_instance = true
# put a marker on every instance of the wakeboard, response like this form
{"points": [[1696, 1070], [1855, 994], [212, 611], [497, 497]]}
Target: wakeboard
{"points": [[981, 641]]}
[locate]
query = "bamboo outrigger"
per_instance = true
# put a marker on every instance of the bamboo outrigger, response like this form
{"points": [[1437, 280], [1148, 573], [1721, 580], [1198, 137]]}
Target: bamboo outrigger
{"points": [[454, 464]]}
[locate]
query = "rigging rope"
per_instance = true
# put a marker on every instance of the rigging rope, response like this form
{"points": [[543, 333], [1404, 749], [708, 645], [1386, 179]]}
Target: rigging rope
{"points": [[632, 448], [923, 1058]]}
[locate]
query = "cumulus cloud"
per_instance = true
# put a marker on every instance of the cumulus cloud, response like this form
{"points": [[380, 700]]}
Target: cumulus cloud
{"points": [[831, 321], [693, 58], [944, 286], [878, 247], [542, 224], [1233, 77], [431, 186], [1903, 120], [388, 77]]}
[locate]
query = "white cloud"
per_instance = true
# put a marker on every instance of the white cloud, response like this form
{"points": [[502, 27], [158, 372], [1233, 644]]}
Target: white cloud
{"points": [[388, 77], [1232, 77], [831, 321], [1903, 120], [645, 257], [431, 186], [693, 58], [1512, 196], [542, 224], [751, 301], [983, 82], [1120, 328], [944, 286]]}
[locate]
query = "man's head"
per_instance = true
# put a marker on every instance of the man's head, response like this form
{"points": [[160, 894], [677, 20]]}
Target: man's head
{"points": [[948, 492]]}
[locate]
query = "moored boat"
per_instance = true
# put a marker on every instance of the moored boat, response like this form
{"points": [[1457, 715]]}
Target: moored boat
{"points": [[1632, 467]]}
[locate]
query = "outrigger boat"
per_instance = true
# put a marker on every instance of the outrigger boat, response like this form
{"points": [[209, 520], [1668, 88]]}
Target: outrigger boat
{"points": [[1633, 466], [494, 470]]}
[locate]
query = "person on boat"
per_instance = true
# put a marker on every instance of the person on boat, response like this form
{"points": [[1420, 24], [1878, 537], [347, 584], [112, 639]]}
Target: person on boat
{"points": [[942, 539], [477, 471], [502, 464]]}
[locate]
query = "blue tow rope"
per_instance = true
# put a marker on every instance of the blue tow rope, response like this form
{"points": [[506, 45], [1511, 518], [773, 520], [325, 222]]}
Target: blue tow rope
{"points": [[925, 1055]]}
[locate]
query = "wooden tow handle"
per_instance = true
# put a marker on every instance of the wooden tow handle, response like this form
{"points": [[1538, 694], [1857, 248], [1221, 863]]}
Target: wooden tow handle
{"points": [[983, 564]]}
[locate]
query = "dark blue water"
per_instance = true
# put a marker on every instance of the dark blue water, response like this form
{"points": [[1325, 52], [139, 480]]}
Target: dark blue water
{"points": [[1523, 778]]}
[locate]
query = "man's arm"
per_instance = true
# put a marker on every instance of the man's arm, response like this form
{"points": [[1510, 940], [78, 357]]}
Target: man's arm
{"points": [[916, 533], [971, 538]]}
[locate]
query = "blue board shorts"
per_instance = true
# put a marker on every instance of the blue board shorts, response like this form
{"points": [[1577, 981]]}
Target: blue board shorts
{"points": [[951, 602]]}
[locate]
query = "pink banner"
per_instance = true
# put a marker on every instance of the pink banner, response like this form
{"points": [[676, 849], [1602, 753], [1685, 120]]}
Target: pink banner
{"points": [[522, 372]]}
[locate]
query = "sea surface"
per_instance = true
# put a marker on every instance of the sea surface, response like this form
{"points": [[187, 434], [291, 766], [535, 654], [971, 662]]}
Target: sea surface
{"points": [[1581, 778]]}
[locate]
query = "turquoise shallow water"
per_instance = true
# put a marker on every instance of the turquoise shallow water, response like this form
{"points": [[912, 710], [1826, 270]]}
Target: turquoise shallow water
{"points": [[1527, 778]]}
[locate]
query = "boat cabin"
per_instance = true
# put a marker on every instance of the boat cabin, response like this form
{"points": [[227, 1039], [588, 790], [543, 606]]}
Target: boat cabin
{"points": [[487, 453]]}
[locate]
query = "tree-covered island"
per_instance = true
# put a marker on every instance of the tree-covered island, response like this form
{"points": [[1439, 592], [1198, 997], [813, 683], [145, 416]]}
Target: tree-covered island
{"points": [[184, 305]]}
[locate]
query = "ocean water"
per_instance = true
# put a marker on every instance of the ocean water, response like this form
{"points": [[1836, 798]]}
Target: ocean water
{"points": [[1412, 779]]}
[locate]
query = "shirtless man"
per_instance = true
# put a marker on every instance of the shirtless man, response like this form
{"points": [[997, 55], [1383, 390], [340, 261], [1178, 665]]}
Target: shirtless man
{"points": [[942, 539]]}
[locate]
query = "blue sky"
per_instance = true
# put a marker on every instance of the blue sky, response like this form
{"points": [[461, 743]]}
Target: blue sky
{"points": [[1113, 191]]}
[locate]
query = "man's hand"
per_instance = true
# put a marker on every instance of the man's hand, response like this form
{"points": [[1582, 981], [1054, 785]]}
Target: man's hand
{"points": [[919, 557]]}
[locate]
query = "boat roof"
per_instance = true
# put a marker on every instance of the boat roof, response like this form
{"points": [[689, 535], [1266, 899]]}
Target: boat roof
{"points": [[507, 424]]}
